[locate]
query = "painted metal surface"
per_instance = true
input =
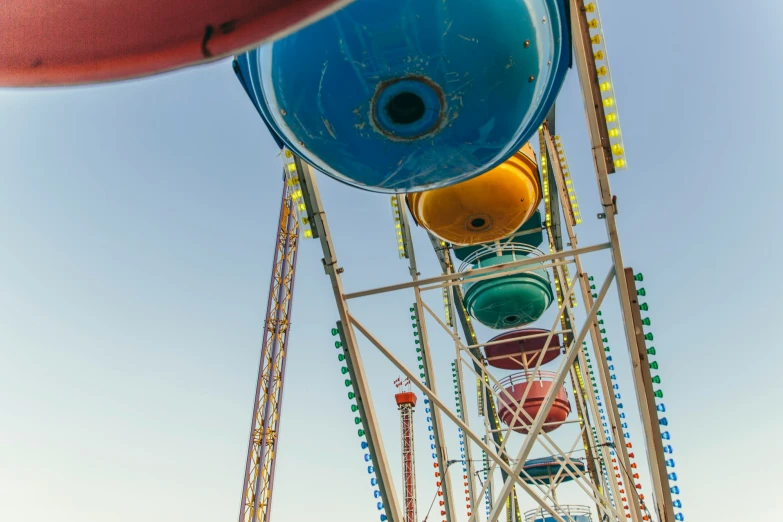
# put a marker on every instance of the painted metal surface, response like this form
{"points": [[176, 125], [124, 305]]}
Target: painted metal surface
{"points": [[534, 391], [546, 469], [567, 517], [74, 42], [414, 94], [405, 398], [566, 512], [508, 301], [530, 233], [486, 208], [518, 354]]}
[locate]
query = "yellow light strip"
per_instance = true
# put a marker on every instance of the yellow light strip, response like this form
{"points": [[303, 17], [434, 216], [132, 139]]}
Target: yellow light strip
{"points": [[295, 193], [606, 86], [573, 208], [572, 201], [398, 227], [568, 285], [544, 178], [447, 306], [480, 397]]}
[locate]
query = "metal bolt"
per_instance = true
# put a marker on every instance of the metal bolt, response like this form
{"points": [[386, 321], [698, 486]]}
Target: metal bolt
{"points": [[531, 78], [340, 270], [282, 111], [527, 44]]}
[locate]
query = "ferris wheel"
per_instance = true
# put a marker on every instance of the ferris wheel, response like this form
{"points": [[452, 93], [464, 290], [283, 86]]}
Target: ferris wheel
{"points": [[451, 132], [447, 106]]}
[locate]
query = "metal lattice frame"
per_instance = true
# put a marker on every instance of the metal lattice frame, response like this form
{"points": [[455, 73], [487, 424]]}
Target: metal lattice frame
{"points": [[408, 461], [265, 424]]}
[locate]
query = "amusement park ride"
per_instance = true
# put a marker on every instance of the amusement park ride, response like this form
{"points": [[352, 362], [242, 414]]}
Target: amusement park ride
{"points": [[436, 103], [473, 182]]}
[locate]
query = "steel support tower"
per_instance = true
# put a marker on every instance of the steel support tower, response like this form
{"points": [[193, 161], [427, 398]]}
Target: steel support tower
{"points": [[406, 401], [265, 423]]}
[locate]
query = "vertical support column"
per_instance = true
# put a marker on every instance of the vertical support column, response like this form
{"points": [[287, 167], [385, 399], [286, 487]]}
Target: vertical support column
{"points": [[558, 198], [408, 462], [602, 158], [264, 429], [426, 360], [487, 477], [549, 398], [317, 214], [663, 495], [406, 401], [473, 502], [603, 366], [437, 421], [490, 407], [566, 322], [591, 452]]}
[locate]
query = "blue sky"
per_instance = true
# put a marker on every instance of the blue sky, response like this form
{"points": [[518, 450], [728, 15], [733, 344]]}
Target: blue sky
{"points": [[137, 234]]}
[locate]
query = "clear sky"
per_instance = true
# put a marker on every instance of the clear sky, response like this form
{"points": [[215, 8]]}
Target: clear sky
{"points": [[137, 227]]}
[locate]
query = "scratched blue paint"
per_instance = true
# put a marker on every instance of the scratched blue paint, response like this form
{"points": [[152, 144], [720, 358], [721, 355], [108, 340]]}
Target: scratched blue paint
{"points": [[482, 74]]}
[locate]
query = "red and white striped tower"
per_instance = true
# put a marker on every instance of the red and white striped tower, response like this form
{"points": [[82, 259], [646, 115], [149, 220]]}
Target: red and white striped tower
{"points": [[406, 400]]}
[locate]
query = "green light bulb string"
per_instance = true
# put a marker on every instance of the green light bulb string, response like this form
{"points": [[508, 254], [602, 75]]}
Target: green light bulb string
{"points": [[343, 356], [658, 394], [659, 406]]}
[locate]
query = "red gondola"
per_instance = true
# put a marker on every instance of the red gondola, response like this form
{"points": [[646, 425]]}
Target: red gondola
{"points": [[534, 390]]}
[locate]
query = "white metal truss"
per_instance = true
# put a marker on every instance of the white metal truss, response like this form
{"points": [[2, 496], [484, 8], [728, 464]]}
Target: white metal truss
{"points": [[553, 261], [536, 424], [599, 487]]}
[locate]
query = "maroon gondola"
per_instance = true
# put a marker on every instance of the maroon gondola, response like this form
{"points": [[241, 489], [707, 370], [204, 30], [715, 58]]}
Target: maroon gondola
{"points": [[521, 348], [45, 43]]}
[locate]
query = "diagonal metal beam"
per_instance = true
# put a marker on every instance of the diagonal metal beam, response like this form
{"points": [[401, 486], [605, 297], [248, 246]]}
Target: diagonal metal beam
{"points": [[507, 268], [571, 353], [361, 386], [447, 267], [612, 411], [433, 397], [602, 159]]}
